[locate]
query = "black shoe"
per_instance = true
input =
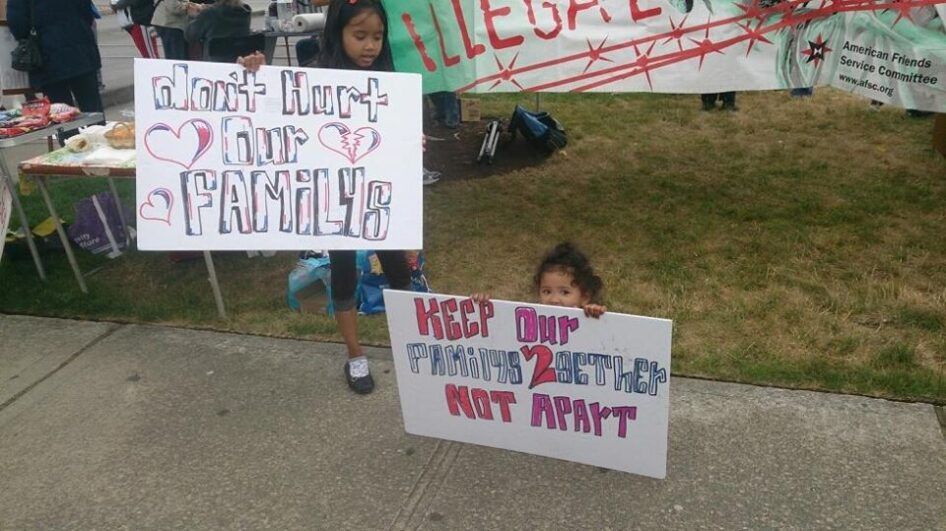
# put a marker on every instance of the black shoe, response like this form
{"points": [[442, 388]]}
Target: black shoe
{"points": [[362, 385]]}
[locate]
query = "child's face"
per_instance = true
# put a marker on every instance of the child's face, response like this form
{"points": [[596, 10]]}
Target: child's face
{"points": [[363, 37], [557, 288]]}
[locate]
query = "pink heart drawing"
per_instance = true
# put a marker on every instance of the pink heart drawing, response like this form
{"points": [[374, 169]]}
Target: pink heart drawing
{"points": [[160, 211], [353, 145], [183, 146]]}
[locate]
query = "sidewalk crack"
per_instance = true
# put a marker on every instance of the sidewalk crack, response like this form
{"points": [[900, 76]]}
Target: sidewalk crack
{"points": [[941, 417], [112, 329], [412, 512]]}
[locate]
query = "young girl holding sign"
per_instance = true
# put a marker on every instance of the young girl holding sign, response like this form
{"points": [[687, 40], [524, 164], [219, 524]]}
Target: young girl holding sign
{"points": [[565, 278], [355, 38]]}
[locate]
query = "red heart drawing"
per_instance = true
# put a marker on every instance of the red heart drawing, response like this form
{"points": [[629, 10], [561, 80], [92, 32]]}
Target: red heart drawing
{"points": [[162, 213], [183, 146], [353, 145]]}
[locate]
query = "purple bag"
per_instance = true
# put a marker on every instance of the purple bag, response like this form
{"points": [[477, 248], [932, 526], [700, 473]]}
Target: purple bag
{"points": [[97, 227]]}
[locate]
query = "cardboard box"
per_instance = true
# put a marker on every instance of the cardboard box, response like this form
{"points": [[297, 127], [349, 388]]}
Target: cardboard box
{"points": [[939, 134], [469, 110]]}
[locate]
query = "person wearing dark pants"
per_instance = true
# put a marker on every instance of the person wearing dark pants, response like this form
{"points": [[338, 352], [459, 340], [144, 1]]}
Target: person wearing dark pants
{"points": [[80, 91], [67, 43], [728, 99], [446, 108], [173, 43]]}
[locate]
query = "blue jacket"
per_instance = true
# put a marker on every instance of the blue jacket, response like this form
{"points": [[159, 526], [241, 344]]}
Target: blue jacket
{"points": [[65, 33]]}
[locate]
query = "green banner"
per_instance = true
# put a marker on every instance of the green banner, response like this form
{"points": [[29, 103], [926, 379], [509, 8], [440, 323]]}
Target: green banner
{"points": [[894, 52]]}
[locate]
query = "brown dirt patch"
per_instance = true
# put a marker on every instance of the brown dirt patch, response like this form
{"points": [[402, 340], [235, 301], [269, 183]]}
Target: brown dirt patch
{"points": [[453, 152]]}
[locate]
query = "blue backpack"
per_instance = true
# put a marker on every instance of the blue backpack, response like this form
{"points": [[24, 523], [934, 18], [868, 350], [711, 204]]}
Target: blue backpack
{"points": [[371, 280], [540, 129]]}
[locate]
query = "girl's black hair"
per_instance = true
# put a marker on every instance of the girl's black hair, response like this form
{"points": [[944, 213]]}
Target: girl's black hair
{"points": [[566, 258], [340, 13]]}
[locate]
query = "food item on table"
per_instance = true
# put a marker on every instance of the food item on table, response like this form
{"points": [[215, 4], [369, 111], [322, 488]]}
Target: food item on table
{"points": [[35, 115], [60, 112], [78, 144], [122, 136], [36, 108]]}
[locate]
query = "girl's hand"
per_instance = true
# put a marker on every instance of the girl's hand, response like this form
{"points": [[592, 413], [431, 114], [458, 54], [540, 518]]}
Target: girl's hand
{"points": [[480, 298], [252, 62], [594, 310]]}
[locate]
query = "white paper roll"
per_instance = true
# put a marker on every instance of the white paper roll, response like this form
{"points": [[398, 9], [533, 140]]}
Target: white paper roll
{"points": [[308, 22]]}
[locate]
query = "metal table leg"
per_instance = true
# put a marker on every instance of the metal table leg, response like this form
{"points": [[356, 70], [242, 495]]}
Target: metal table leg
{"points": [[121, 212], [41, 181], [24, 221], [218, 297]]}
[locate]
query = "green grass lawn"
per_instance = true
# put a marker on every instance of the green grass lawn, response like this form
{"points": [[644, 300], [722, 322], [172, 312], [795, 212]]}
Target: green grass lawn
{"points": [[799, 243]]}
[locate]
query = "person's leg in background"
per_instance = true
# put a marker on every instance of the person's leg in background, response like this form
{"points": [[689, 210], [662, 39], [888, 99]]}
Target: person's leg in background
{"points": [[450, 109], [709, 101], [59, 93], [76, 92], [85, 90], [446, 109], [172, 40], [729, 101]]}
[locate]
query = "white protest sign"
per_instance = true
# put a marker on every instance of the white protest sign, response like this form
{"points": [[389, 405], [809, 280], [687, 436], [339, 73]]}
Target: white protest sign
{"points": [[6, 207], [538, 379], [286, 158]]}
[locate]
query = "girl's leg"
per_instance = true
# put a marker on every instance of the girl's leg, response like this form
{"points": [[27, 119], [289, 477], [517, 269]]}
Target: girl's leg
{"points": [[344, 281], [344, 277]]}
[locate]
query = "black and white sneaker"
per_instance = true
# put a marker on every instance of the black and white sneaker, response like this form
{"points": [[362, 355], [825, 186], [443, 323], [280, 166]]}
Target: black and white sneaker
{"points": [[358, 377]]}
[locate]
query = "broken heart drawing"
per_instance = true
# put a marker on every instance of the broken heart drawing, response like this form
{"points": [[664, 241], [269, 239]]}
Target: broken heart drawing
{"points": [[183, 146], [354, 145]]}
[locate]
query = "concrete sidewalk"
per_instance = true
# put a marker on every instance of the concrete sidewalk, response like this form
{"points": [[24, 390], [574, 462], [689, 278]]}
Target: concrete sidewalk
{"points": [[105, 425]]}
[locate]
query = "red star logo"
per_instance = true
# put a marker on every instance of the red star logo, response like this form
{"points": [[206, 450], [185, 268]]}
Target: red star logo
{"points": [[752, 9], [754, 35], [706, 45], [816, 50], [594, 54], [676, 33], [505, 73], [643, 62], [788, 11], [903, 11]]}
